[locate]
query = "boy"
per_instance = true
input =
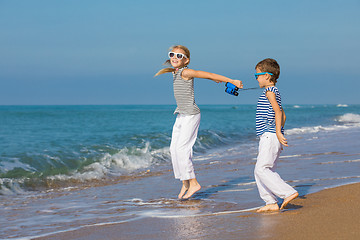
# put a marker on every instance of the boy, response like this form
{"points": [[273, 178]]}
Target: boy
{"points": [[270, 120]]}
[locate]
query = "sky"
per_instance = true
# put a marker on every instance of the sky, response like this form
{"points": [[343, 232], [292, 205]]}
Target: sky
{"points": [[85, 52]]}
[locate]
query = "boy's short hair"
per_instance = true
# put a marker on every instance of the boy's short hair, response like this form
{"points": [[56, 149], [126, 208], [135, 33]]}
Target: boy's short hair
{"points": [[270, 65]]}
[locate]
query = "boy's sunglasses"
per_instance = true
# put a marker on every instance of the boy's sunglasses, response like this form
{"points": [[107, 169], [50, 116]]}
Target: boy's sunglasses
{"points": [[262, 73], [178, 55]]}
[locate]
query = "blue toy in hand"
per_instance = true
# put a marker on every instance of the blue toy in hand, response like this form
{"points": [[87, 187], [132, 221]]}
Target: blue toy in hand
{"points": [[231, 89]]}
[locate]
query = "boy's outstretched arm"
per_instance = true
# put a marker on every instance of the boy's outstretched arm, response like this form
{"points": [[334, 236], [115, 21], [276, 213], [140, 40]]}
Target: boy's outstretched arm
{"points": [[278, 117], [188, 74]]}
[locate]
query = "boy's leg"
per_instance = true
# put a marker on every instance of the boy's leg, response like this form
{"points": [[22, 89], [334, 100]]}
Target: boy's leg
{"points": [[269, 151], [265, 194]]}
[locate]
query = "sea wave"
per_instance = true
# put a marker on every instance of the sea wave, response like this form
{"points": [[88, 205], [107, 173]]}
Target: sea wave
{"points": [[122, 162], [17, 177], [342, 105], [349, 118], [314, 129], [345, 121], [52, 170], [10, 186]]}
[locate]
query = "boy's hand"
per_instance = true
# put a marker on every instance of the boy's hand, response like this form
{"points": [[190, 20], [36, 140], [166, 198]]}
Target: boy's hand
{"points": [[282, 139], [238, 83]]}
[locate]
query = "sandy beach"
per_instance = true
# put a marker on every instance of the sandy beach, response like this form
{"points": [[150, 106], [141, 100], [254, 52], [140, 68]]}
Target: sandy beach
{"points": [[328, 214]]}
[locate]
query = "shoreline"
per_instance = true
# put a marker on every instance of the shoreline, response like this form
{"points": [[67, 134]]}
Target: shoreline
{"points": [[328, 214]]}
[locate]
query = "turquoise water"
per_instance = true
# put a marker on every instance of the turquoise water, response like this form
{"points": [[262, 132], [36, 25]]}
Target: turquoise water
{"points": [[43, 142], [66, 166]]}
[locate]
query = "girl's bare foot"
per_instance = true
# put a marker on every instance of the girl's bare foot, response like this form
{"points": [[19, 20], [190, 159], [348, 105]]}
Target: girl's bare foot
{"points": [[192, 189], [288, 199], [182, 191], [269, 208]]}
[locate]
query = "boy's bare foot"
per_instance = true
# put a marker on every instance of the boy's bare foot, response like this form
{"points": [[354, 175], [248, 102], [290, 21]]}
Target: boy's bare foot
{"points": [[289, 199], [182, 191], [269, 208], [192, 189]]}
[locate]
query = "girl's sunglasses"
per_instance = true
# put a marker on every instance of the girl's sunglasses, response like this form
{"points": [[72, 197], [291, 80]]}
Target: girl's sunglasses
{"points": [[262, 73], [178, 55]]}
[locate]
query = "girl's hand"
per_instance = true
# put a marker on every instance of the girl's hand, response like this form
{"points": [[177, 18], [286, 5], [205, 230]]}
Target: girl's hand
{"points": [[238, 83]]}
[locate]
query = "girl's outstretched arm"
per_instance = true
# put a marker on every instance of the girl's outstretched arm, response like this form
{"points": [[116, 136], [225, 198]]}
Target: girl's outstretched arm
{"points": [[188, 74]]}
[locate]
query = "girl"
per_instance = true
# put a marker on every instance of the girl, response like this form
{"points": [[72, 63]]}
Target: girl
{"points": [[188, 119]]}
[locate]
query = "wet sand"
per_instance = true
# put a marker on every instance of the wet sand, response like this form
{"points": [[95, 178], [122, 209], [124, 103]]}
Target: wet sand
{"points": [[328, 214]]}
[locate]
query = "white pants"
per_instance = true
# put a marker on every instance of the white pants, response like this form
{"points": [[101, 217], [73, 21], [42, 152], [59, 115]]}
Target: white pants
{"points": [[269, 182], [182, 141]]}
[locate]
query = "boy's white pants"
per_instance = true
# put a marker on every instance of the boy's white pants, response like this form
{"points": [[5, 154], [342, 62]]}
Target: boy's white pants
{"points": [[269, 182], [182, 141]]}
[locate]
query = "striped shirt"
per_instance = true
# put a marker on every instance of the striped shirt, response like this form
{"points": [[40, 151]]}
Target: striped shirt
{"points": [[184, 95], [265, 115]]}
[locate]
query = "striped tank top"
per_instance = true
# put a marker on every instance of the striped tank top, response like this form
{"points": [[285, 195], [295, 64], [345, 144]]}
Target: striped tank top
{"points": [[265, 115], [184, 95]]}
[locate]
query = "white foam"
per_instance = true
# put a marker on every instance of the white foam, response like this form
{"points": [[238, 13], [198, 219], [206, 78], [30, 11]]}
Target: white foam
{"points": [[183, 214], [77, 228], [141, 202], [126, 159], [356, 160], [238, 190], [12, 163], [342, 105], [214, 162], [345, 161], [315, 129], [349, 118], [290, 156], [323, 179], [245, 184], [9, 186]]}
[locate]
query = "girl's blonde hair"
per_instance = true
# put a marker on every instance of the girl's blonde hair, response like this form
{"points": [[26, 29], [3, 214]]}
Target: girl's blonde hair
{"points": [[170, 69]]}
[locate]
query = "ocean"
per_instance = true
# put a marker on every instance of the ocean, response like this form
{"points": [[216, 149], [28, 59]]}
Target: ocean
{"points": [[66, 167]]}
